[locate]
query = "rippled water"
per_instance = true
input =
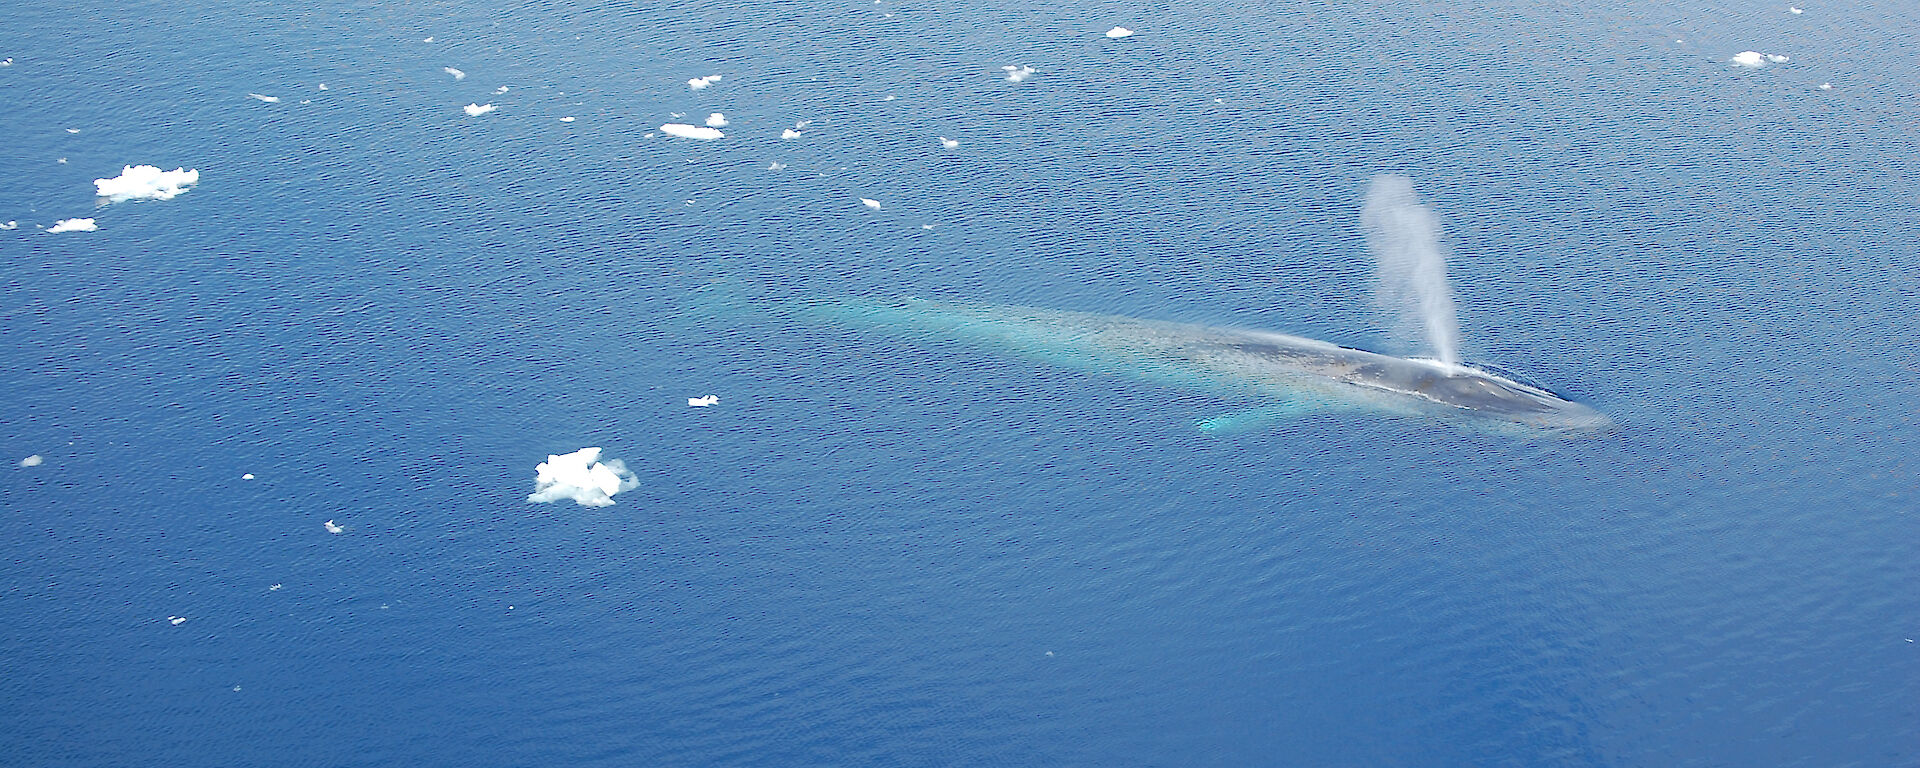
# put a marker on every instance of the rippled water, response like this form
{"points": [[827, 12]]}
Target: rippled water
{"points": [[894, 549]]}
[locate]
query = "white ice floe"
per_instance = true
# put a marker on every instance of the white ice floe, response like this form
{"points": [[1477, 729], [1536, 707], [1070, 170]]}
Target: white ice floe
{"points": [[176, 620], [323, 86], [566, 119], [949, 143], [73, 225], [247, 476], [267, 99], [702, 402], [1794, 11], [501, 90], [581, 476], [1777, 58], [7, 62], [476, 110], [457, 74], [1823, 86], [716, 120], [73, 130], [702, 82], [776, 166], [333, 527], [273, 588], [789, 134], [10, 225], [428, 40], [870, 203], [1119, 32], [1749, 59], [146, 182], [1017, 74], [685, 131], [33, 461]]}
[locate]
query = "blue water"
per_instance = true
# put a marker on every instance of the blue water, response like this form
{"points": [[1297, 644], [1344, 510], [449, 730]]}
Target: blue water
{"points": [[889, 550]]}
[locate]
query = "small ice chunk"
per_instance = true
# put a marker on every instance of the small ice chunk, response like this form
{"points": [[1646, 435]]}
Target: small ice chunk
{"points": [[501, 90], [10, 225], [1823, 86], [333, 527], [1119, 32], [7, 62], [692, 131], [73, 225], [702, 82], [870, 203], [267, 99], [33, 461], [176, 620], [323, 86], [566, 119], [777, 166], [273, 588], [1017, 73], [476, 110], [73, 130], [61, 161], [582, 477], [247, 476], [716, 120], [949, 143], [1794, 11], [1749, 59], [146, 182], [1777, 58], [702, 402], [789, 134], [457, 74]]}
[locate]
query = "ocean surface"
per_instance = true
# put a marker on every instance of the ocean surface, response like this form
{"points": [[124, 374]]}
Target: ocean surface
{"points": [[893, 549]]}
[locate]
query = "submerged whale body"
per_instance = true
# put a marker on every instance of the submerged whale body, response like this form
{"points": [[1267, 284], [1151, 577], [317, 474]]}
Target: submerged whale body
{"points": [[1296, 374]]}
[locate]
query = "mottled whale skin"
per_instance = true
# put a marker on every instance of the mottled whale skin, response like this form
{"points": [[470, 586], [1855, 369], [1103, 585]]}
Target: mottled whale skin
{"points": [[1287, 369]]}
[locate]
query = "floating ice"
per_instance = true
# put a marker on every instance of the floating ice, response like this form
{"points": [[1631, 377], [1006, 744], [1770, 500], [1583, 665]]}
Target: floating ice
{"points": [[176, 620], [74, 225], [10, 225], [323, 86], [267, 99], [273, 588], [870, 203], [716, 120], [580, 476], [702, 82], [776, 166], [428, 40], [1823, 86], [501, 90], [1794, 11], [1777, 58], [333, 528], [33, 461], [247, 476], [1749, 59], [691, 131], [73, 130], [457, 74], [949, 143], [1119, 32], [1017, 74], [476, 110], [566, 119], [7, 62], [146, 182], [789, 134], [702, 402]]}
